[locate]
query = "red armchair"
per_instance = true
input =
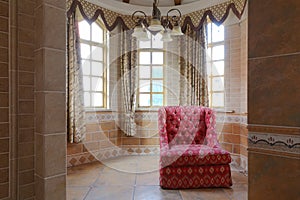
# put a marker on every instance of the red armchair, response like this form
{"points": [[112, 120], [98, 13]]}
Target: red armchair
{"points": [[190, 155]]}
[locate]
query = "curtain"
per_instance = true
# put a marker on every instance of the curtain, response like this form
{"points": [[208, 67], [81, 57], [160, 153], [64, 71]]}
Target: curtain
{"points": [[128, 67], [75, 108], [193, 71]]}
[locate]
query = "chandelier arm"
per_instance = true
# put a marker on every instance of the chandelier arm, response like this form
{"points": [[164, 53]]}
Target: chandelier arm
{"points": [[174, 9], [138, 19]]}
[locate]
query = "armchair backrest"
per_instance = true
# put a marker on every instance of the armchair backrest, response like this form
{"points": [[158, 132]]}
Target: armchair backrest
{"points": [[186, 125]]}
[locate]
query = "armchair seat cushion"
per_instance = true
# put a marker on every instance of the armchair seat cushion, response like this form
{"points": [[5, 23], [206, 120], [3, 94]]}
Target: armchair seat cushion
{"points": [[193, 155]]}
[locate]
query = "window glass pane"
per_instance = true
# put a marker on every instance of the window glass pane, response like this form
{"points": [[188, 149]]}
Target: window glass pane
{"points": [[86, 68], [86, 83], [97, 69], [209, 99], [218, 52], [157, 86], [97, 84], [97, 99], [97, 33], [145, 44], [209, 32], [208, 53], [87, 99], [218, 68], [157, 99], [97, 53], [144, 57], [217, 33], [84, 30], [144, 99], [85, 51], [158, 58], [209, 68], [144, 72], [157, 72], [218, 84], [209, 84], [156, 42], [144, 86], [218, 100]]}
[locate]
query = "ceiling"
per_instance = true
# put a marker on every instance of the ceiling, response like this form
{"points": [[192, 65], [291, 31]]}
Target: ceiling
{"points": [[162, 3], [127, 7]]}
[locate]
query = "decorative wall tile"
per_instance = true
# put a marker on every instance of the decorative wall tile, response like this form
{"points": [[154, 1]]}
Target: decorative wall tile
{"points": [[275, 142], [152, 116], [92, 117], [103, 154]]}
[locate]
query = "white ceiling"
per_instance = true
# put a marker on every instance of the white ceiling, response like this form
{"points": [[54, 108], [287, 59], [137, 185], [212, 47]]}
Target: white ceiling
{"points": [[162, 3], [187, 6]]}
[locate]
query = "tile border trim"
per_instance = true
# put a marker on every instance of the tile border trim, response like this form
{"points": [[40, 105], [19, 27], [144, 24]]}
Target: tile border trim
{"points": [[276, 142], [92, 156], [92, 117]]}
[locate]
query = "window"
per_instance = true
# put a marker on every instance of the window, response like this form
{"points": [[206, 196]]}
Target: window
{"points": [[151, 62], [93, 47], [215, 65]]}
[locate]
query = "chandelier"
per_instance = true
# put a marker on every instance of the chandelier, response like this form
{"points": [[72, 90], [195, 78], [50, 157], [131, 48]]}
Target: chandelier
{"points": [[157, 24]]}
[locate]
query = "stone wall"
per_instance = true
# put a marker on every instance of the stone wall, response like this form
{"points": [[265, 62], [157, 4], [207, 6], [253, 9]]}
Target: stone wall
{"points": [[32, 99], [4, 100], [274, 109]]}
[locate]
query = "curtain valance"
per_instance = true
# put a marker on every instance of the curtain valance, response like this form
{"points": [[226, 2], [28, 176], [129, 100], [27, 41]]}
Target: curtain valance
{"points": [[111, 19], [90, 12]]}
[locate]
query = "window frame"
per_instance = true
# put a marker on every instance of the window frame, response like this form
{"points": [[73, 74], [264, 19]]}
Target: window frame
{"points": [[151, 65], [105, 69], [210, 61]]}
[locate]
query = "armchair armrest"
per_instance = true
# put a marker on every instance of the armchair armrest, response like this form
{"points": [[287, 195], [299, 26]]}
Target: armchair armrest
{"points": [[162, 131], [211, 134]]}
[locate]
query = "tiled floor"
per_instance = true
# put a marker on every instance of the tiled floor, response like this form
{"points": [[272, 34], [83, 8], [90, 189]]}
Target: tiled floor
{"points": [[136, 178]]}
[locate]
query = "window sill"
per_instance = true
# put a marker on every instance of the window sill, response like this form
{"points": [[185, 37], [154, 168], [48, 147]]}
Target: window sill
{"points": [[146, 109], [98, 110]]}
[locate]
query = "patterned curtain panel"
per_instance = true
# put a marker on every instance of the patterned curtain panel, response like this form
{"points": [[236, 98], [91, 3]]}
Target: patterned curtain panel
{"points": [[193, 79], [75, 108], [128, 66]]}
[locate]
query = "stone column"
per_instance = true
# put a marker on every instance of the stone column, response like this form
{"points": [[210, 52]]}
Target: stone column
{"points": [[50, 63]]}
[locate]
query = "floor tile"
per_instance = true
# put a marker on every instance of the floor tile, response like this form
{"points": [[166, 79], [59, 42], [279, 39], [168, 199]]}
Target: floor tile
{"points": [[107, 181], [147, 163], [155, 193], [116, 178], [238, 191], [81, 179], [122, 192], [77, 193], [94, 167], [133, 164], [123, 164], [148, 178], [238, 177], [204, 194]]}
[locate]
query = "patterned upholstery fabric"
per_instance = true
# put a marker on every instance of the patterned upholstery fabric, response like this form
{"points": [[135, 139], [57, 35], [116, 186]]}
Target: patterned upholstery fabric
{"points": [[190, 155], [188, 125], [195, 177]]}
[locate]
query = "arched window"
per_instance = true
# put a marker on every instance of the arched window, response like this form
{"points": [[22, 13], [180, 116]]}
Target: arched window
{"points": [[93, 44]]}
